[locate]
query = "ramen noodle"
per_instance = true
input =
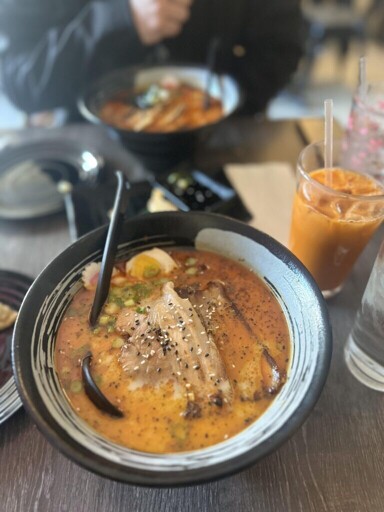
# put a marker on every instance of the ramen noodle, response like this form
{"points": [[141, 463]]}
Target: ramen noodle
{"points": [[191, 348]]}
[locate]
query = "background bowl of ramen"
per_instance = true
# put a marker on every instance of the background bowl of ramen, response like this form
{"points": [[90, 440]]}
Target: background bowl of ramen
{"points": [[158, 151], [49, 296]]}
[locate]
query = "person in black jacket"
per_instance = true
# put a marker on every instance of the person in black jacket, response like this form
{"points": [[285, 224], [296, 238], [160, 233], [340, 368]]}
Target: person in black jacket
{"points": [[56, 47]]}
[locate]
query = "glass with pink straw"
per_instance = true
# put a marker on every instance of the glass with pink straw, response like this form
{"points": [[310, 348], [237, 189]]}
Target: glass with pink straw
{"points": [[336, 210], [363, 144]]}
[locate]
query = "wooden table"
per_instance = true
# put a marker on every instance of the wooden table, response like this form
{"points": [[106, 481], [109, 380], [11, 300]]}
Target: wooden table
{"points": [[335, 462]]}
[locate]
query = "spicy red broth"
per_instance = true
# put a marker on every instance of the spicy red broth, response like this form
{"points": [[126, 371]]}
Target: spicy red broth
{"points": [[187, 383]]}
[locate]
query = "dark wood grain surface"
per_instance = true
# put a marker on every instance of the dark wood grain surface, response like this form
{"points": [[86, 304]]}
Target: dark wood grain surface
{"points": [[334, 462]]}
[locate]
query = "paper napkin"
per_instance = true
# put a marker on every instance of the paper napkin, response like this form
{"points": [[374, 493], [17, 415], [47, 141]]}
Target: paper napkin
{"points": [[267, 190]]}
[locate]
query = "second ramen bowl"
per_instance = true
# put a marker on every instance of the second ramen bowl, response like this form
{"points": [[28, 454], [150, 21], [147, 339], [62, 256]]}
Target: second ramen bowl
{"points": [[159, 151], [44, 307]]}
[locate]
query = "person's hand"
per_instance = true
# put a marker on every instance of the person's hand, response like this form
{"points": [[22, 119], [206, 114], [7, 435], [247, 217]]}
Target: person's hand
{"points": [[156, 20]]}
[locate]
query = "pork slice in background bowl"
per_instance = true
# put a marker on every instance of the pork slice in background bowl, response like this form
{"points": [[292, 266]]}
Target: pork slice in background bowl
{"points": [[159, 151]]}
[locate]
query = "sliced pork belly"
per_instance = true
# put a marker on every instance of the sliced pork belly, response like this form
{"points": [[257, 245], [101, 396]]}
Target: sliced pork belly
{"points": [[215, 308], [169, 343]]}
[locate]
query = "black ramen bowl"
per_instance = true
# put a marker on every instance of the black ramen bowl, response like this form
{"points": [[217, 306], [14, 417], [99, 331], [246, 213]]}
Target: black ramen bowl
{"points": [[49, 296], [158, 151]]}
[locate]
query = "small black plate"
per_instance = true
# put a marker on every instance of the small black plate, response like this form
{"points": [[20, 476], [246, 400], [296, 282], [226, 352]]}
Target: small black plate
{"points": [[13, 287]]}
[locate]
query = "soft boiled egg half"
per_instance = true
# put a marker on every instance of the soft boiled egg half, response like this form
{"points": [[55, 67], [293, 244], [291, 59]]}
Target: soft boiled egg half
{"points": [[150, 264]]}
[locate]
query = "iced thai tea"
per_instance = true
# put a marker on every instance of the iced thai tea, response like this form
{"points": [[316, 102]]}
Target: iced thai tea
{"points": [[335, 213]]}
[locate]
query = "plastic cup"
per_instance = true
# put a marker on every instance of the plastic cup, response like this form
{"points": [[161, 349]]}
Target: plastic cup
{"points": [[335, 213]]}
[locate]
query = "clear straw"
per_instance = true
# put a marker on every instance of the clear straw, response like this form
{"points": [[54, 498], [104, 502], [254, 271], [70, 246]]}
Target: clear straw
{"points": [[328, 139], [362, 78]]}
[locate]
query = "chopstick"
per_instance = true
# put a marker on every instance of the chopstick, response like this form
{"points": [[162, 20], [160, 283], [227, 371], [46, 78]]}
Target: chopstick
{"points": [[213, 48]]}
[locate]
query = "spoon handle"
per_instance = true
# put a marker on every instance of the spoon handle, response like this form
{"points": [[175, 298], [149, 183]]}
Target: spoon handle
{"points": [[110, 248]]}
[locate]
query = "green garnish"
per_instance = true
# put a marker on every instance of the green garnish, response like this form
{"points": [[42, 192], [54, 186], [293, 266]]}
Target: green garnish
{"points": [[141, 310], [191, 271], [79, 352], [76, 386], [134, 292], [117, 343], [151, 271], [179, 431], [98, 379], [129, 303], [190, 262], [161, 281], [104, 320]]}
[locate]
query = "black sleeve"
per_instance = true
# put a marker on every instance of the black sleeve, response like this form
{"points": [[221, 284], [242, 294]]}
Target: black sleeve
{"points": [[50, 48], [273, 40]]}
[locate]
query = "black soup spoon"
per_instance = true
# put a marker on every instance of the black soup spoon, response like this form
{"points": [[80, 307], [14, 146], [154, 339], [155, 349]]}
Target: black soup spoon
{"points": [[91, 388]]}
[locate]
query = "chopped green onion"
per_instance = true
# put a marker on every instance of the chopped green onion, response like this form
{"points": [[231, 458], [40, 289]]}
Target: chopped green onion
{"points": [[161, 281], [129, 303], [141, 310], [76, 386], [104, 320], [190, 262], [151, 271], [117, 343], [111, 308], [191, 271]]}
